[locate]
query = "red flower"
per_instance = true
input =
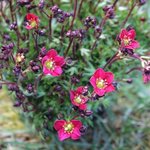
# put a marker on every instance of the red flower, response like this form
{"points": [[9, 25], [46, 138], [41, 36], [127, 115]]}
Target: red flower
{"points": [[68, 129], [78, 99], [32, 21], [52, 63], [127, 39], [102, 82]]}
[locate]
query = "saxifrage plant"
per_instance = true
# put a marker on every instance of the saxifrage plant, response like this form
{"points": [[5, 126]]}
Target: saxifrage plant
{"points": [[48, 77]]}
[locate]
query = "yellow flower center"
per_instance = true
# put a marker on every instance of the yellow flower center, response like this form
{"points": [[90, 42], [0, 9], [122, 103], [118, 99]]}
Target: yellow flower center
{"points": [[49, 64], [33, 23], [78, 99], [126, 41], [100, 83], [68, 127]]}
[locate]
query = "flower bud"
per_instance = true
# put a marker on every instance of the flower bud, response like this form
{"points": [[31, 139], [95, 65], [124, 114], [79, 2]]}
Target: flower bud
{"points": [[88, 113], [83, 129], [142, 2]]}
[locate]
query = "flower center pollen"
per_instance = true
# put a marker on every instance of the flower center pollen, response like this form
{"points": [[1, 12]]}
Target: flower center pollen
{"points": [[49, 64], [126, 41], [100, 83], [78, 99], [68, 127]]}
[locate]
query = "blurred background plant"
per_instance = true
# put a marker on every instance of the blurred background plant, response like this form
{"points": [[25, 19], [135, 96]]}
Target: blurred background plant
{"points": [[120, 121]]}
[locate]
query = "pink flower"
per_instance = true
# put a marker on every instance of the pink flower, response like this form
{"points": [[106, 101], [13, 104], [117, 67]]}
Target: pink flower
{"points": [[78, 99], [32, 21], [127, 39], [52, 63], [102, 82], [68, 129]]}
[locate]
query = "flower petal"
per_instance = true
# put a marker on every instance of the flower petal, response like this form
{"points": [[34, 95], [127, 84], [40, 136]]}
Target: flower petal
{"points": [[72, 94], [135, 44], [100, 92], [58, 124], [93, 81], [109, 77], [131, 34], [123, 33], [46, 71], [62, 135], [80, 90], [44, 59], [110, 88], [77, 123], [76, 134], [99, 73], [83, 106], [51, 53], [57, 71], [59, 61]]}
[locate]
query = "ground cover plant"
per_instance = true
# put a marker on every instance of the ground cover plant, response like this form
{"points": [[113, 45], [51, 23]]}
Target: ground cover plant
{"points": [[64, 62]]}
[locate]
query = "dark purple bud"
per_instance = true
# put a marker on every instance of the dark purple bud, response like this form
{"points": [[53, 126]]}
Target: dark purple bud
{"points": [[75, 108], [88, 19], [83, 129], [127, 51], [74, 80], [88, 113], [41, 32], [41, 4], [30, 88], [17, 104], [129, 28], [23, 2], [20, 96], [129, 81], [35, 68], [54, 8], [59, 11], [23, 50], [6, 37], [142, 2], [11, 45], [98, 29], [57, 88], [85, 90], [68, 61], [13, 87], [13, 26], [17, 70]]}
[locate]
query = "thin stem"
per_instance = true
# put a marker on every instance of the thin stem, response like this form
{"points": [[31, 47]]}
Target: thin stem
{"points": [[135, 68], [74, 14], [67, 50], [126, 19], [80, 6], [110, 60], [114, 4], [50, 27], [11, 10]]}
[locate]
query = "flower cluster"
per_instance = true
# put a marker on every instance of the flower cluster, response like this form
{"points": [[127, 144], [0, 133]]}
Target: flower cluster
{"points": [[59, 14]]}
